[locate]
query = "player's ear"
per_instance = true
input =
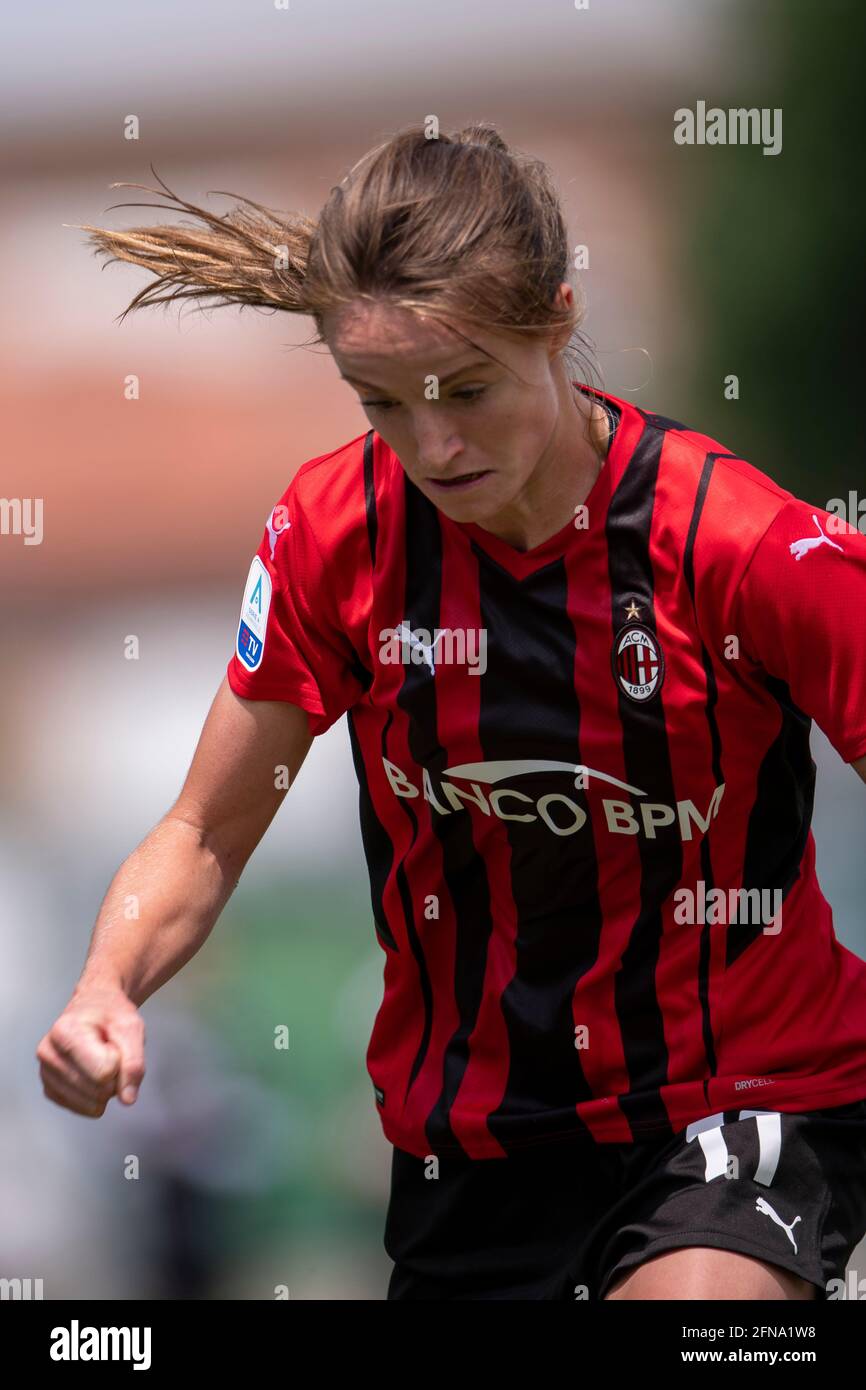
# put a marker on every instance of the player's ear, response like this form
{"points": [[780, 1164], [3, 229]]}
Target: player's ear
{"points": [[563, 299]]}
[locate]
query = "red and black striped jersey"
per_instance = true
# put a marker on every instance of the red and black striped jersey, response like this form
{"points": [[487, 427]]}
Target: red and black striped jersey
{"points": [[586, 785]]}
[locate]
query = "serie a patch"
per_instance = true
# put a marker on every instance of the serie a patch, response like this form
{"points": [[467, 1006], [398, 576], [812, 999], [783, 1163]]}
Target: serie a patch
{"points": [[253, 624]]}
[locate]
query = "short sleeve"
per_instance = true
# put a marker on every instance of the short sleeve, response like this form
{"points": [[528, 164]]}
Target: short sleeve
{"points": [[800, 610], [289, 644]]}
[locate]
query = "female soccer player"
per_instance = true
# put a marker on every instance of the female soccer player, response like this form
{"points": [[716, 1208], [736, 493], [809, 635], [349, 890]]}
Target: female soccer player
{"points": [[621, 1053]]}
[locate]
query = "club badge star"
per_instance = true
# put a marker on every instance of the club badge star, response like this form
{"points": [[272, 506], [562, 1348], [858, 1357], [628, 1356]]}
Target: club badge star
{"points": [[632, 611]]}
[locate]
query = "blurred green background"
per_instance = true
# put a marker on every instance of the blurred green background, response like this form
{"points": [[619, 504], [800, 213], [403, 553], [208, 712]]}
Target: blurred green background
{"points": [[774, 243]]}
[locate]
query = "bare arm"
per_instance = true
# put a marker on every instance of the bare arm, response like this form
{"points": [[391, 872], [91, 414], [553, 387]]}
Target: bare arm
{"points": [[860, 767], [166, 896]]}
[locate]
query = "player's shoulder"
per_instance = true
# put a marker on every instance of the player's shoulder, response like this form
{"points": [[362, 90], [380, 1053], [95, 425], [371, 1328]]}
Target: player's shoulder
{"points": [[329, 495], [733, 512], [332, 508], [730, 501], [328, 487], [691, 454]]}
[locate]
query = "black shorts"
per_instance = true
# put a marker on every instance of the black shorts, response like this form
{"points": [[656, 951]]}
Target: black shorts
{"points": [[562, 1219]]}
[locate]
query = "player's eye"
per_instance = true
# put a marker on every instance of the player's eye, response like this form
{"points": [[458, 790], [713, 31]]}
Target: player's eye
{"points": [[468, 393]]}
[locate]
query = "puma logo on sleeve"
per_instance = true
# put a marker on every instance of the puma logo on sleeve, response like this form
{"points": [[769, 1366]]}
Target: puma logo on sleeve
{"points": [[800, 548], [274, 532]]}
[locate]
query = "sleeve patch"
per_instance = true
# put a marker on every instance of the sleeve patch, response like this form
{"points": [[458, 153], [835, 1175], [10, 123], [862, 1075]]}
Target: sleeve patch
{"points": [[253, 624]]}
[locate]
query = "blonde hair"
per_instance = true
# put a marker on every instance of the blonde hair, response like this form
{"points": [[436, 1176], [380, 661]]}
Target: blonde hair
{"points": [[459, 226]]}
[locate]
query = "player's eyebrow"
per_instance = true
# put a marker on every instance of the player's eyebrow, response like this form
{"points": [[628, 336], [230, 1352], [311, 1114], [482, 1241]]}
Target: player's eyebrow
{"points": [[443, 381]]}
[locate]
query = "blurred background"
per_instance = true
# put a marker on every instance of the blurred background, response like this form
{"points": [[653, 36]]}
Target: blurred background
{"points": [[262, 1168]]}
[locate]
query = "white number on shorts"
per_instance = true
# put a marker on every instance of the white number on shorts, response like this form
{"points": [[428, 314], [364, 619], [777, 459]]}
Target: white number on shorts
{"points": [[708, 1133]]}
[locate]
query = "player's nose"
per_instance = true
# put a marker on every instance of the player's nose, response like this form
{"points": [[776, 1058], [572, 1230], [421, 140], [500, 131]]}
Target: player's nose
{"points": [[436, 441], [437, 453]]}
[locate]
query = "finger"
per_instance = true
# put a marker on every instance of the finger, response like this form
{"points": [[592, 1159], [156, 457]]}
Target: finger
{"points": [[59, 1067], [71, 1099], [83, 1044], [128, 1036], [63, 1068]]}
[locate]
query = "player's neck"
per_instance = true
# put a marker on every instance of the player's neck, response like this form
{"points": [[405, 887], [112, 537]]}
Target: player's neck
{"points": [[563, 478]]}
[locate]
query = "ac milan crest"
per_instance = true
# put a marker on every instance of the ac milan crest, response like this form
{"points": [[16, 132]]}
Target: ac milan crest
{"points": [[638, 662]]}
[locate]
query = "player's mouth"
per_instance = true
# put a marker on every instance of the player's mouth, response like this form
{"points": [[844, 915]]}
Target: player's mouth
{"points": [[462, 481]]}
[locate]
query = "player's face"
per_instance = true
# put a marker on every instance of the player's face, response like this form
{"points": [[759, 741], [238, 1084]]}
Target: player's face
{"points": [[474, 448]]}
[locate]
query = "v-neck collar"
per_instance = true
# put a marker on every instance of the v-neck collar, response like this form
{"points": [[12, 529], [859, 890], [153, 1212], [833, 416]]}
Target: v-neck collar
{"points": [[521, 563]]}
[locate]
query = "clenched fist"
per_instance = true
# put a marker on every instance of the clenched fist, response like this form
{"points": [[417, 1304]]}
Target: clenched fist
{"points": [[95, 1050]]}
